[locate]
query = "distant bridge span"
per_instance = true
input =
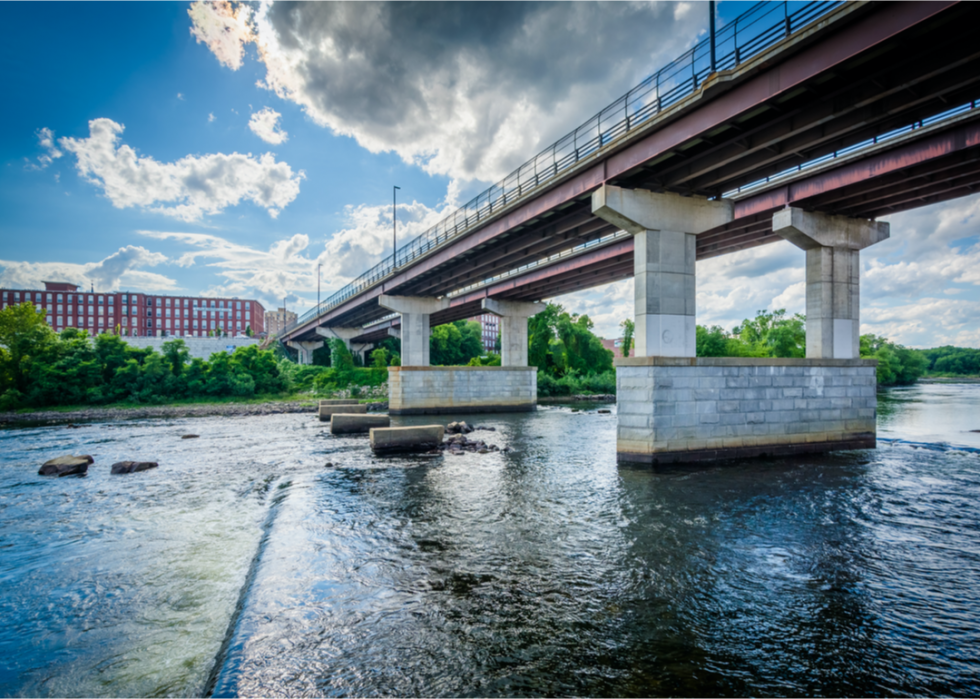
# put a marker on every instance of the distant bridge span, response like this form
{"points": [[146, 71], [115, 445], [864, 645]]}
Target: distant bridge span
{"points": [[861, 109]]}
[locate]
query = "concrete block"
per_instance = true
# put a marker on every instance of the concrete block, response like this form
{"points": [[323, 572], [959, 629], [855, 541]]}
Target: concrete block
{"points": [[388, 440], [355, 423], [325, 411], [338, 401]]}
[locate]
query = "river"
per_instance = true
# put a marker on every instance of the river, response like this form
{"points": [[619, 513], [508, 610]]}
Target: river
{"points": [[245, 565]]}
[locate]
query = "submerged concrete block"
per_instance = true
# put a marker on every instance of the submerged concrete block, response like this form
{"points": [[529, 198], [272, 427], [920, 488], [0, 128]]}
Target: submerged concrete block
{"points": [[326, 411], [338, 401], [390, 440], [354, 423]]}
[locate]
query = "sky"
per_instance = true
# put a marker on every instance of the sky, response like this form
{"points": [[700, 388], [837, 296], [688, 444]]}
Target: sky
{"points": [[250, 150]]}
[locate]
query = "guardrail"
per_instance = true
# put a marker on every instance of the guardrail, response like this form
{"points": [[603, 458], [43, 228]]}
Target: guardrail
{"points": [[752, 32]]}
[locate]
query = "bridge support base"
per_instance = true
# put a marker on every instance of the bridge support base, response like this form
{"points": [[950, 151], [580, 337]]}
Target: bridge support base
{"points": [[700, 409], [417, 390]]}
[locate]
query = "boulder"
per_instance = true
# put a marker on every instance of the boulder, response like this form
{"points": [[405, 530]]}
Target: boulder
{"points": [[132, 466], [190, 436], [66, 466], [458, 428]]}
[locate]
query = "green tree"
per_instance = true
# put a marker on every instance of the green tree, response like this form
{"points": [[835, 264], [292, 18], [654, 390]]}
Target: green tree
{"points": [[379, 358], [26, 338], [629, 327]]}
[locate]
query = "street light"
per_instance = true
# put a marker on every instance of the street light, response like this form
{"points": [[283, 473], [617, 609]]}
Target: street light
{"points": [[394, 229], [318, 266]]}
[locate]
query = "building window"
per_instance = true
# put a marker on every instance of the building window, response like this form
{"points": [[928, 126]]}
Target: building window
{"points": [[125, 321], [167, 301], [125, 311], [91, 310], [69, 320], [134, 310], [59, 308], [168, 324], [101, 322], [60, 320], [149, 323], [125, 298], [168, 312], [112, 300], [101, 300]]}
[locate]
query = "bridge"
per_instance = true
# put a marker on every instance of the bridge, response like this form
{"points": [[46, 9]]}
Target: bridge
{"points": [[797, 121]]}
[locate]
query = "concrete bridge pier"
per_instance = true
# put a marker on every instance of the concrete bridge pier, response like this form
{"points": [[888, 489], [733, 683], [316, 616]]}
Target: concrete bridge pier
{"points": [[415, 388], [664, 229], [833, 276], [513, 328], [674, 406], [305, 349], [415, 312]]}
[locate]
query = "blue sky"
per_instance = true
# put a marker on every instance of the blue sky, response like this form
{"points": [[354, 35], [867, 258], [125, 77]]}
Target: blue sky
{"points": [[225, 149]]}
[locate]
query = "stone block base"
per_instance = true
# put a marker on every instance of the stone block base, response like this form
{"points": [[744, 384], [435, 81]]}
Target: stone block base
{"points": [[697, 409], [432, 390]]}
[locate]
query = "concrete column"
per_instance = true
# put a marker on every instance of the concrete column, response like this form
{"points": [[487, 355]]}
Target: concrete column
{"points": [[664, 228], [833, 276], [415, 312], [305, 348], [513, 328]]}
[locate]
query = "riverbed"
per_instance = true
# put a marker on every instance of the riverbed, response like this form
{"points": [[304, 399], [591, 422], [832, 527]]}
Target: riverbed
{"points": [[245, 565]]}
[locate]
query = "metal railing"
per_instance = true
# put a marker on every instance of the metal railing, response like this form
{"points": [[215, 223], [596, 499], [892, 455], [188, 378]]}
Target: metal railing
{"points": [[751, 33]]}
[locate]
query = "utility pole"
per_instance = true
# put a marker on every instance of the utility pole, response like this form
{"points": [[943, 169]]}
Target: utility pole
{"points": [[318, 266], [394, 228]]}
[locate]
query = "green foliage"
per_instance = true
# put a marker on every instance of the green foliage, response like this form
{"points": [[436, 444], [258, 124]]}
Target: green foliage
{"points": [[629, 327], [957, 361], [766, 335], [455, 344], [40, 368], [563, 343], [896, 364], [572, 384], [379, 358]]}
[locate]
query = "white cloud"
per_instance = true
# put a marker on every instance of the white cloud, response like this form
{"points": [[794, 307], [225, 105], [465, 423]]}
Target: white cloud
{"points": [[468, 90], [187, 189], [180, 96], [265, 125], [224, 29], [289, 266], [121, 269], [211, 117], [45, 139]]}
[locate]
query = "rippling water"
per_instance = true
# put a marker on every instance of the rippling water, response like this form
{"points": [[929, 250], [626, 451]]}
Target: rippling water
{"points": [[243, 565]]}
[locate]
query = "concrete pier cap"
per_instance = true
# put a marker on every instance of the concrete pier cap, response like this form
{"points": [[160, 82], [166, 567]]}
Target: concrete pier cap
{"points": [[810, 230], [664, 229], [415, 312]]}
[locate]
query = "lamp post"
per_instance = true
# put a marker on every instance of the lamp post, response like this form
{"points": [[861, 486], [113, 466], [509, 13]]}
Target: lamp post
{"points": [[394, 228], [318, 266], [711, 21]]}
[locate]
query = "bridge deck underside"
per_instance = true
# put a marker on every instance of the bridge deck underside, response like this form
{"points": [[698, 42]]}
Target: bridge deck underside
{"points": [[843, 103]]}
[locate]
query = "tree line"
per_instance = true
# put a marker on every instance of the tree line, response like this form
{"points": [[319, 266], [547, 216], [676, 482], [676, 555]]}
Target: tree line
{"points": [[774, 334]]}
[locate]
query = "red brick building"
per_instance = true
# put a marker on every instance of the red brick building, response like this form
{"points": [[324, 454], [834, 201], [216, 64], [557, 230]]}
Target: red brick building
{"points": [[136, 314], [489, 330]]}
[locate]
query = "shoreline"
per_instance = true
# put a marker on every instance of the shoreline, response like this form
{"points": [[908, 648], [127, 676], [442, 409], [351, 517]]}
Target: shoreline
{"points": [[109, 414]]}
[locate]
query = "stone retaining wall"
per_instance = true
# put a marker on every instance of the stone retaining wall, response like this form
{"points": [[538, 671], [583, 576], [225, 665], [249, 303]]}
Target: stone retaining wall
{"points": [[417, 390], [686, 409]]}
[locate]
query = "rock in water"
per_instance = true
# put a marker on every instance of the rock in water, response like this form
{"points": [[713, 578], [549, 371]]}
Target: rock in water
{"points": [[66, 466], [132, 466], [190, 436], [604, 412]]}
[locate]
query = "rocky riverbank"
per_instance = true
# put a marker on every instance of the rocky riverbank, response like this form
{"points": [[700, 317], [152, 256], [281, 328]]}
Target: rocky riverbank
{"points": [[94, 414]]}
